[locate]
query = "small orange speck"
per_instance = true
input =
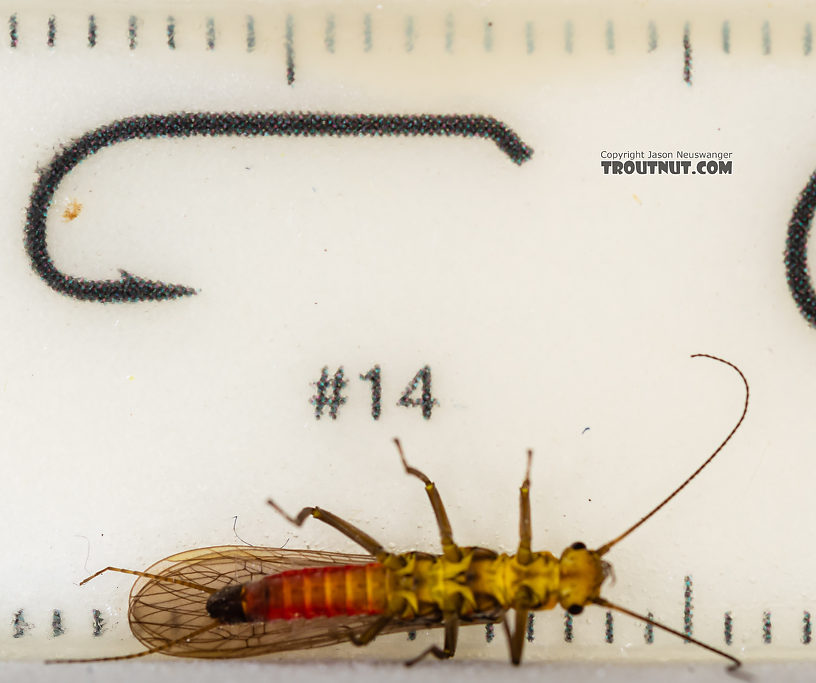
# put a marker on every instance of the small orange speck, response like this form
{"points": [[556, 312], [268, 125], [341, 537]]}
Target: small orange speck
{"points": [[71, 211], [637, 199]]}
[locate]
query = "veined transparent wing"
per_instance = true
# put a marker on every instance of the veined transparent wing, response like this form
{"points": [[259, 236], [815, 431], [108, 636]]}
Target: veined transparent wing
{"points": [[161, 612]]}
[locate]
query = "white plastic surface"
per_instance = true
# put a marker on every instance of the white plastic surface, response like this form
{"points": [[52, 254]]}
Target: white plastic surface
{"points": [[556, 306]]}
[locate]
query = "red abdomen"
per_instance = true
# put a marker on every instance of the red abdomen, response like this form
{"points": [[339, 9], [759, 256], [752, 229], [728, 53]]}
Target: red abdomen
{"points": [[317, 592]]}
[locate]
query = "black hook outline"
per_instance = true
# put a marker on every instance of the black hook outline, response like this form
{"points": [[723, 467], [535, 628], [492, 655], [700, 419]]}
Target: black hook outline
{"points": [[133, 288], [796, 268]]}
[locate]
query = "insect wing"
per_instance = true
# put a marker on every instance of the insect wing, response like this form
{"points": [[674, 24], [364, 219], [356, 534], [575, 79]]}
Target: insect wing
{"points": [[162, 612]]}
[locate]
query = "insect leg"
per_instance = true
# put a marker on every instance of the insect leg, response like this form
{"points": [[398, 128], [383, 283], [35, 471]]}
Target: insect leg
{"points": [[525, 554], [516, 638], [451, 637], [371, 632], [154, 577], [449, 549], [346, 528]]}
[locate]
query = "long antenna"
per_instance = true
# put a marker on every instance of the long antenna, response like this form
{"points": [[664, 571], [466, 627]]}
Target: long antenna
{"points": [[605, 603], [153, 577], [605, 548]]}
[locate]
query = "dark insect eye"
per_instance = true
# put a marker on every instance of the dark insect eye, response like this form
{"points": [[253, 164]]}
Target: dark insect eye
{"points": [[575, 609], [578, 546]]}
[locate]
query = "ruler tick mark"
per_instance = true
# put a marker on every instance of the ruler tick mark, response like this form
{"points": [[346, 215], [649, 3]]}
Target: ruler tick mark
{"points": [[290, 49], [529, 35], [687, 53], [210, 33], [726, 37], [488, 36], [92, 31], [609, 628], [807, 628], [57, 629], [367, 42], [328, 41], [20, 625], [449, 33], [171, 33], [490, 633], [133, 27], [766, 38], [728, 628], [531, 627], [97, 623], [51, 36], [688, 612], [610, 37], [648, 630], [652, 36], [766, 627], [807, 40], [250, 33], [568, 627], [568, 36], [409, 33], [12, 30]]}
